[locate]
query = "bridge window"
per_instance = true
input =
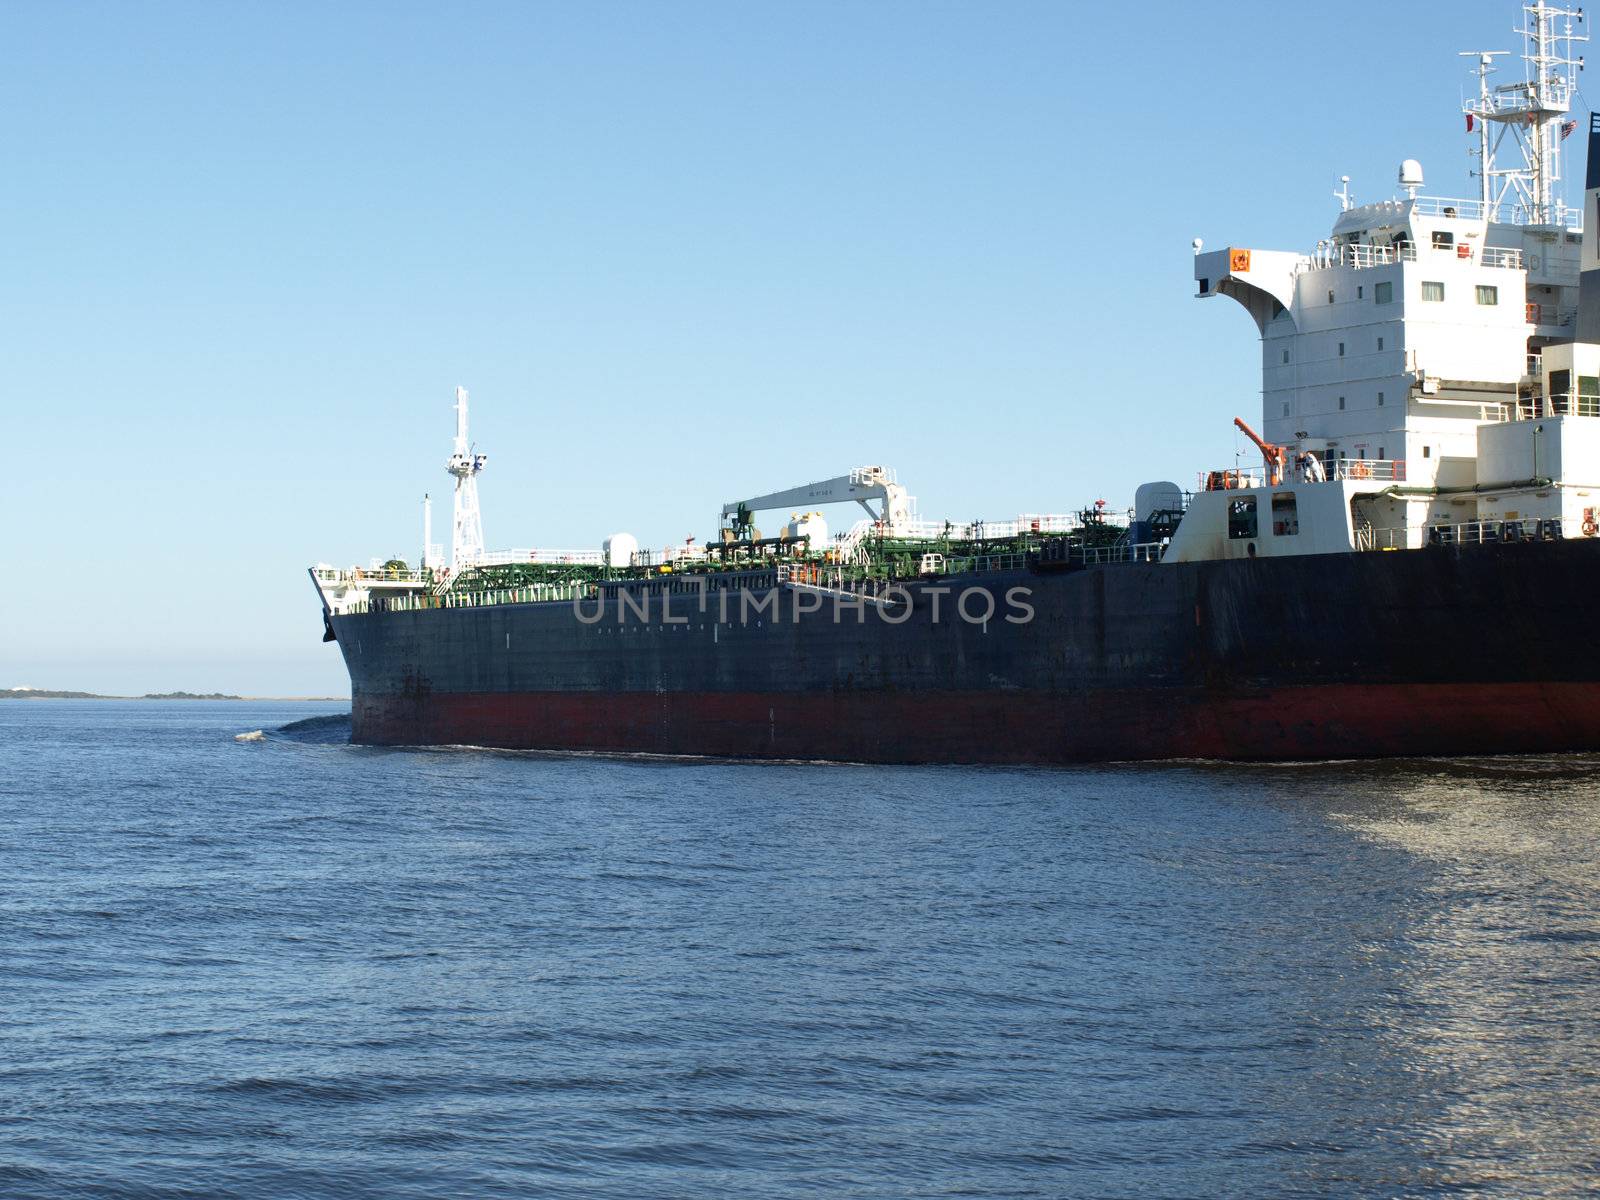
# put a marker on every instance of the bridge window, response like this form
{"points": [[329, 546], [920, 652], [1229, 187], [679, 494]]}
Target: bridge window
{"points": [[1432, 290], [1443, 240], [1285, 515], [1330, 297], [1382, 293], [1361, 292], [1341, 349], [1242, 518], [1488, 295], [1285, 356], [1380, 343], [1341, 403], [1380, 399], [1589, 395], [1560, 392]]}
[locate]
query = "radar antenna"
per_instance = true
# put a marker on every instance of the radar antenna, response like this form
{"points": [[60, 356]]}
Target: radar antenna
{"points": [[1531, 111], [466, 541]]}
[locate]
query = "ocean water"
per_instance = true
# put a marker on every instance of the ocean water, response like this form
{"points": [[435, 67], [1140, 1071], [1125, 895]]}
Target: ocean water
{"points": [[290, 967]]}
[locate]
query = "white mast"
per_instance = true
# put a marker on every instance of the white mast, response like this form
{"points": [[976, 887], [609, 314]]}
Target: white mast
{"points": [[1531, 111], [1485, 151], [427, 530], [466, 541]]}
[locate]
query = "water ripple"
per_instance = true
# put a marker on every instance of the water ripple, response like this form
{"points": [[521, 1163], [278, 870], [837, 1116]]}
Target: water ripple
{"points": [[289, 967]]}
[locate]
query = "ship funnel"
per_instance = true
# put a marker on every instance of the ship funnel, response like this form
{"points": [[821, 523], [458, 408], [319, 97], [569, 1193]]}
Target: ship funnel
{"points": [[1411, 176]]}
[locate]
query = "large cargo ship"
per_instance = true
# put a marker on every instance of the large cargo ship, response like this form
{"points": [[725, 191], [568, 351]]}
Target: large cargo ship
{"points": [[1411, 569]]}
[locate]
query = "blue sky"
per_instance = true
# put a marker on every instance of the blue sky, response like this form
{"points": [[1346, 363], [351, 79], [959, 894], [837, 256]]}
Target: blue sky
{"points": [[680, 253]]}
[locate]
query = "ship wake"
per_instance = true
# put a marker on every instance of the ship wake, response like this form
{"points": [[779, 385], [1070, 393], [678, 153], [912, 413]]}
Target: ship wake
{"points": [[332, 729]]}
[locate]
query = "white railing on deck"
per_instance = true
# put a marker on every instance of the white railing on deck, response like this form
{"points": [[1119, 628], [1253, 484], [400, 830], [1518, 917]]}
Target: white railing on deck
{"points": [[1122, 552], [1362, 256], [1502, 214], [1442, 206], [1389, 470], [1470, 533], [969, 530], [508, 558], [1232, 479], [1502, 256], [1562, 404], [1025, 523], [369, 576], [470, 598]]}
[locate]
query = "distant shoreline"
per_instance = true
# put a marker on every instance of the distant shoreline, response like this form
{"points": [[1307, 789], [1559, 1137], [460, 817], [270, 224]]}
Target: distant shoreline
{"points": [[48, 694]]}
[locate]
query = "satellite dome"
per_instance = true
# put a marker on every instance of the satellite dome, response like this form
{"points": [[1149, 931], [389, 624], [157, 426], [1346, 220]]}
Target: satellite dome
{"points": [[1411, 173]]}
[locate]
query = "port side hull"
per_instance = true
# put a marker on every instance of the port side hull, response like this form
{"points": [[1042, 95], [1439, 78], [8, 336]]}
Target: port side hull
{"points": [[1443, 651], [1291, 722]]}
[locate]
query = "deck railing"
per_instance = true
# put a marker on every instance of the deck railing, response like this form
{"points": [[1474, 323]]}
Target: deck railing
{"points": [[508, 558], [1392, 470], [1122, 552], [482, 598], [1477, 533], [370, 576], [1361, 255], [1502, 214], [1469, 533]]}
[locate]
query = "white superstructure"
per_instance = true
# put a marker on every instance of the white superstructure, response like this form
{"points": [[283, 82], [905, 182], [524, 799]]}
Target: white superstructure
{"points": [[1415, 349]]}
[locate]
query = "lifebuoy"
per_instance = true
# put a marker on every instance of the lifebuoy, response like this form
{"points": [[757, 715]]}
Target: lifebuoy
{"points": [[1590, 529]]}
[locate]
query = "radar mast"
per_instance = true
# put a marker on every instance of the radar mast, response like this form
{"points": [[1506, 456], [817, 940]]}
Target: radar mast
{"points": [[1532, 112]]}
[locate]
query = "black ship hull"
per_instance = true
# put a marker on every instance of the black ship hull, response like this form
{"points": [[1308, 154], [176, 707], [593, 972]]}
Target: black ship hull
{"points": [[1447, 650]]}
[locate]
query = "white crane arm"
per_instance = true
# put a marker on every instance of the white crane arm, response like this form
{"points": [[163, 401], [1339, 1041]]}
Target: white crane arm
{"points": [[861, 485]]}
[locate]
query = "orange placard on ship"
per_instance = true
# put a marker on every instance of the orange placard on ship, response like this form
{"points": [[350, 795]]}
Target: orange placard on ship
{"points": [[1238, 260]]}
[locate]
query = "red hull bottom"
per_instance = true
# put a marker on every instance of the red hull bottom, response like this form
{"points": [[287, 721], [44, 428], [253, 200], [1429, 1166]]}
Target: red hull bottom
{"points": [[1322, 721]]}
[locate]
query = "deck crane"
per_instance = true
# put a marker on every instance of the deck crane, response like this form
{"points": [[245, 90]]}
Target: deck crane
{"points": [[861, 485], [1277, 457]]}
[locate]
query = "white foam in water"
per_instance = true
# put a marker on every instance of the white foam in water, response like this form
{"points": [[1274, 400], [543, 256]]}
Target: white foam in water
{"points": [[255, 735]]}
